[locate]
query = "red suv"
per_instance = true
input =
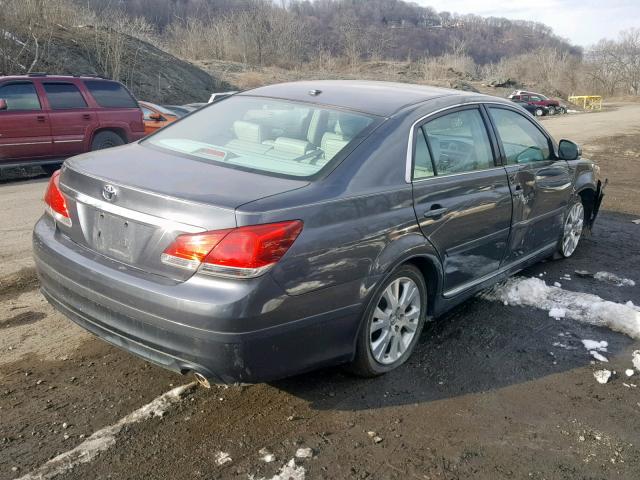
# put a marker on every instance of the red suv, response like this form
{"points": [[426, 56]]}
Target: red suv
{"points": [[45, 119]]}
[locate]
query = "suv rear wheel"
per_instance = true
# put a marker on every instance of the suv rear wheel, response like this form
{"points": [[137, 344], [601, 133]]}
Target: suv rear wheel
{"points": [[392, 323], [106, 139]]}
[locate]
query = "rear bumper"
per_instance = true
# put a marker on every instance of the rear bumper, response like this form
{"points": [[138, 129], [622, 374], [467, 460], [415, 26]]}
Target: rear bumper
{"points": [[230, 331]]}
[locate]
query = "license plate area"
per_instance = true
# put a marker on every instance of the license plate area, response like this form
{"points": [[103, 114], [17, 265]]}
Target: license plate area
{"points": [[115, 236]]}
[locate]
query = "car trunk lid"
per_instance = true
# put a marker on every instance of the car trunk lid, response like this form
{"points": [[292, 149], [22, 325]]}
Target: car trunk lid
{"points": [[129, 204]]}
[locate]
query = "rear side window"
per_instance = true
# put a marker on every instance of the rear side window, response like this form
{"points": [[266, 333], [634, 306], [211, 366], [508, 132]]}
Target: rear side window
{"points": [[459, 143], [521, 140], [422, 166], [20, 96], [110, 94], [64, 96]]}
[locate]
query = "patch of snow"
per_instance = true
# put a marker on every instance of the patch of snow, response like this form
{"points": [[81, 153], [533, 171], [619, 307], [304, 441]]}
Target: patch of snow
{"points": [[557, 284], [637, 221], [557, 313], [266, 455], [629, 372], [563, 345], [290, 472], [602, 376], [600, 346], [615, 279], [599, 356], [304, 453], [104, 438], [636, 359], [584, 307], [223, 458]]}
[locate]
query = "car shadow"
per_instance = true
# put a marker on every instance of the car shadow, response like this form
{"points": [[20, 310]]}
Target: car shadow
{"points": [[483, 345], [24, 175]]}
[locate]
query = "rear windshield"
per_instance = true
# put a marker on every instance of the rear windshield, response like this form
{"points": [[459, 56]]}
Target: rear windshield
{"points": [[269, 136], [110, 94]]}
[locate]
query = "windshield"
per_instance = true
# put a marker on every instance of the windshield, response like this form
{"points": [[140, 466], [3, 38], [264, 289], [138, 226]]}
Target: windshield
{"points": [[265, 135]]}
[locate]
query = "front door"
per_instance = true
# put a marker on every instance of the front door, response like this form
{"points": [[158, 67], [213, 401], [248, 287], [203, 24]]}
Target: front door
{"points": [[461, 197], [72, 120], [24, 126], [540, 183]]}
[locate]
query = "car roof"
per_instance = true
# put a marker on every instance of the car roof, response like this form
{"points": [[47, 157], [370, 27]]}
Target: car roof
{"points": [[54, 77], [378, 98]]}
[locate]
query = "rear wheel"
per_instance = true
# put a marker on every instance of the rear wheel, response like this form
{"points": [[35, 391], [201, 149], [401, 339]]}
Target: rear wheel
{"points": [[572, 231], [106, 139], [392, 323], [552, 110]]}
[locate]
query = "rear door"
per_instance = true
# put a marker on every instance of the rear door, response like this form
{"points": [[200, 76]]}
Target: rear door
{"points": [[539, 182], [461, 196], [72, 119], [24, 126]]}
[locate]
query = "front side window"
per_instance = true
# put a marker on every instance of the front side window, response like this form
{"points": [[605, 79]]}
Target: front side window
{"points": [[64, 96], [265, 135], [20, 96], [521, 140], [459, 142], [110, 94]]}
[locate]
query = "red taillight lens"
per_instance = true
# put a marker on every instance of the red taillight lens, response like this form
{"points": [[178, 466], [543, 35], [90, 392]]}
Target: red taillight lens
{"points": [[56, 204], [240, 252]]}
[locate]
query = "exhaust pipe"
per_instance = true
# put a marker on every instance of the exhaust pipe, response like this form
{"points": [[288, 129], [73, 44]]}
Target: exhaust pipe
{"points": [[202, 380]]}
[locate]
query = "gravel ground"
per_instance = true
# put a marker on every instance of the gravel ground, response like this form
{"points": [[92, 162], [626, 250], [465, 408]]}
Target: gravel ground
{"points": [[487, 394]]}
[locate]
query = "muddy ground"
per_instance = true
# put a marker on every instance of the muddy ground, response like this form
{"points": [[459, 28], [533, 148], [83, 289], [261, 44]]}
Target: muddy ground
{"points": [[486, 394]]}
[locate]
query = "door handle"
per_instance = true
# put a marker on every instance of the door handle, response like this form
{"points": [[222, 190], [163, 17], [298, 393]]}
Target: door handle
{"points": [[517, 190], [41, 118], [86, 116], [435, 212]]}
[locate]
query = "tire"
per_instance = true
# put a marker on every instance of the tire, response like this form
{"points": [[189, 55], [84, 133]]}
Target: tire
{"points": [[562, 110], [571, 229], [49, 169], [538, 112], [106, 139], [552, 110], [381, 348]]}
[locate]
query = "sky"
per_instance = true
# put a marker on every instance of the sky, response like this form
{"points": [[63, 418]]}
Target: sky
{"points": [[583, 22]]}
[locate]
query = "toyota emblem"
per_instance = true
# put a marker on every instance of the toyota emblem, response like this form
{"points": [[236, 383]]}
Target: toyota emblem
{"points": [[109, 192]]}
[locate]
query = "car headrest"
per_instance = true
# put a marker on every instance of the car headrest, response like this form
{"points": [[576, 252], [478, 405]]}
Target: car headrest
{"points": [[248, 131]]}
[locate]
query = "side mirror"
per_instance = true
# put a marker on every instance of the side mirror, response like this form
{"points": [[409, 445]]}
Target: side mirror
{"points": [[3, 104], [156, 116], [568, 150]]}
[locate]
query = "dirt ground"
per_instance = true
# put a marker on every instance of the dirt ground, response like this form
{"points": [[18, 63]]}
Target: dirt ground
{"points": [[486, 395]]}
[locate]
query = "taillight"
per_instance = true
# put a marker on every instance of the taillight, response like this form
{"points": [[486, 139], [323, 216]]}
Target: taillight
{"points": [[243, 252], [56, 205]]}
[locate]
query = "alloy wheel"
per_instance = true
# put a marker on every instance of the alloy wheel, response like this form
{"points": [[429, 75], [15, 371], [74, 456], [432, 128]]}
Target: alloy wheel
{"points": [[572, 229], [395, 320]]}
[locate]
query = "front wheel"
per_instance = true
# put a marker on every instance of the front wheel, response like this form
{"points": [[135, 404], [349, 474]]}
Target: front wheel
{"points": [[392, 323], [572, 231], [539, 112]]}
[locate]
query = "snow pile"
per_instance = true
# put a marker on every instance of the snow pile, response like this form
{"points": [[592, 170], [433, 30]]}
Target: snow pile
{"points": [[600, 346], [602, 376], [290, 472], [106, 437], [583, 307], [636, 360], [615, 279], [557, 313]]}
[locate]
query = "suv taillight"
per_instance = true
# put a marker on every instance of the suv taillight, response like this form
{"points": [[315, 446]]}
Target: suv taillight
{"points": [[243, 252], [56, 205]]}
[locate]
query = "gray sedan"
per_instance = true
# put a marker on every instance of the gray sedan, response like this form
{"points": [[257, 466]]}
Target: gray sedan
{"points": [[306, 224]]}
